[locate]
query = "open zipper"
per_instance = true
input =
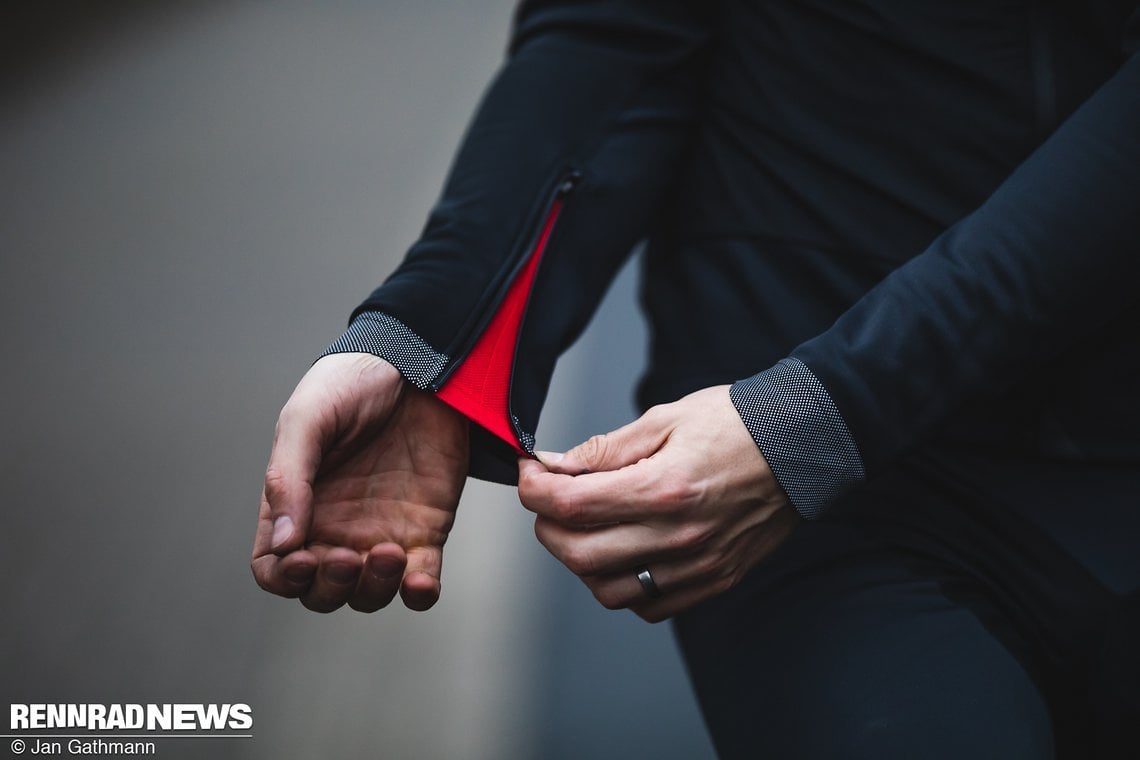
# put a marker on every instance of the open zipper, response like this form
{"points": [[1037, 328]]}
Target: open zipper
{"points": [[478, 383]]}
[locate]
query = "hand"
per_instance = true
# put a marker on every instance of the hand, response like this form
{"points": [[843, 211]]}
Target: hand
{"points": [[361, 489], [682, 491]]}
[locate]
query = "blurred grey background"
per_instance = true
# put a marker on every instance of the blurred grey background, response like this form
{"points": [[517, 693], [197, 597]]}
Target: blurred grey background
{"points": [[193, 196]]}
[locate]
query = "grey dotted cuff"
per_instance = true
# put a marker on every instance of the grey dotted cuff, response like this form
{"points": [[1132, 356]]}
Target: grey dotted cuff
{"points": [[801, 433], [373, 332]]}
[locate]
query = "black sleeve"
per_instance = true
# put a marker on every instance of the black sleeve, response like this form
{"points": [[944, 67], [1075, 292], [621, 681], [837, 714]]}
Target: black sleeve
{"points": [[1048, 260], [567, 157]]}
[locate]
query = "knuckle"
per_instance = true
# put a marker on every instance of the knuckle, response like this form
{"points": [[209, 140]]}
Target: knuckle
{"points": [[691, 536], [526, 484], [707, 565], [674, 494], [566, 510], [579, 560], [723, 583], [275, 483], [593, 450], [656, 412], [528, 481]]}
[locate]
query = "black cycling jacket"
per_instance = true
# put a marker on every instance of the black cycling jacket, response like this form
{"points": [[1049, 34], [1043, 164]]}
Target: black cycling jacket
{"points": [[934, 207]]}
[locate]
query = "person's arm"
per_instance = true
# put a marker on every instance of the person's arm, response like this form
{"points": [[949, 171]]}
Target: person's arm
{"points": [[681, 494], [558, 176], [1045, 262], [556, 180]]}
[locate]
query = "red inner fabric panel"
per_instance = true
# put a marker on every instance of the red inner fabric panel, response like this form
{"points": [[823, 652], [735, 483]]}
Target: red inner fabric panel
{"points": [[479, 388]]}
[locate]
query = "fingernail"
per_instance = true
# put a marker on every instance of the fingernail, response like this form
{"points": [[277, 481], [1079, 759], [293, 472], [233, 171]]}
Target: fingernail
{"points": [[299, 574], [282, 529], [341, 574], [549, 457], [385, 569]]}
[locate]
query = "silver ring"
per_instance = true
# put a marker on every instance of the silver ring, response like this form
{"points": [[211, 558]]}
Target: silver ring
{"points": [[647, 583]]}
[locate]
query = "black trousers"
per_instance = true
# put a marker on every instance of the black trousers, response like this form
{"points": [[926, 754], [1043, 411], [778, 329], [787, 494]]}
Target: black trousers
{"points": [[934, 613]]}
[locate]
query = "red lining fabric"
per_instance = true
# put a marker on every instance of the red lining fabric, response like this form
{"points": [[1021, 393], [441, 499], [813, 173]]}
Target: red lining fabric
{"points": [[480, 387]]}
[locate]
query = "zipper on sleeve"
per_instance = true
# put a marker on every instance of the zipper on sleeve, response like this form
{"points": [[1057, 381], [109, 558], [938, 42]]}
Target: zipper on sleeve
{"points": [[478, 382]]}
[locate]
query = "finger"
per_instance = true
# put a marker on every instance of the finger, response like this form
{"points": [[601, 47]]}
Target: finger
{"points": [[674, 580], [289, 576], [636, 492], [611, 451], [263, 538], [380, 578], [421, 586], [293, 462], [613, 548], [335, 580], [698, 578]]}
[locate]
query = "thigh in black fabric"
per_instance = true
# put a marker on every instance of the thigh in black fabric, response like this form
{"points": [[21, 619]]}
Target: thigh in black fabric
{"points": [[841, 647]]}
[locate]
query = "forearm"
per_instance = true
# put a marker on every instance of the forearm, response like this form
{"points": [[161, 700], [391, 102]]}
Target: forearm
{"points": [[1047, 260], [1043, 264], [557, 179]]}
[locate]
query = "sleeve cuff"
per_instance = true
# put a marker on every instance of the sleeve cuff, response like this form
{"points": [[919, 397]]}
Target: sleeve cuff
{"points": [[373, 332], [801, 433]]}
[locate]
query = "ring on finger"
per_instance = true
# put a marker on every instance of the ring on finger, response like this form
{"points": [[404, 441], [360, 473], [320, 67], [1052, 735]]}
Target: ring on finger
{"points": [[648, 585]]}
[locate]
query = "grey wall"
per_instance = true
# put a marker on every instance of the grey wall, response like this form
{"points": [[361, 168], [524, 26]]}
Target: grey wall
{"points": [[192, 197]]}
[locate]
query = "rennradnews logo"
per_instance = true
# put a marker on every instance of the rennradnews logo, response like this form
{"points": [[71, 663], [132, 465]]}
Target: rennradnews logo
{"points": [[134, 717]]}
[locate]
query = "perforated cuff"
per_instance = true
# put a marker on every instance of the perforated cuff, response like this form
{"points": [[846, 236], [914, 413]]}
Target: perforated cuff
{"points": [[373, 332], [801, 433]]}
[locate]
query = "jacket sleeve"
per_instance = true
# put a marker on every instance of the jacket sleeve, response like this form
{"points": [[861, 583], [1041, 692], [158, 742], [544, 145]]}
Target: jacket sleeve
{"points": [[1048, 260], [556, 180]]}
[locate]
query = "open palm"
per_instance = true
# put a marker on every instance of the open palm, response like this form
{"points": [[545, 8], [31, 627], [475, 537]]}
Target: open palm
{"points": [[361, 489]]}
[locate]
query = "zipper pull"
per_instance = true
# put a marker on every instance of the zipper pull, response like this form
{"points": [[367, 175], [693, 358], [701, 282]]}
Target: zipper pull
{"points": [[569, 183]]}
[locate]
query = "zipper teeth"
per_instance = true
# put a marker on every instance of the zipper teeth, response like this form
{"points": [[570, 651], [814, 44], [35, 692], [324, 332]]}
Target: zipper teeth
{"points": [[524, 439], [561, 189]]}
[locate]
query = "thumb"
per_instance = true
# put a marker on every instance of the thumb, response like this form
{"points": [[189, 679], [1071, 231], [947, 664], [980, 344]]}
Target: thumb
{"points": [[627, 445], [293, 463], [359, 388]]}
